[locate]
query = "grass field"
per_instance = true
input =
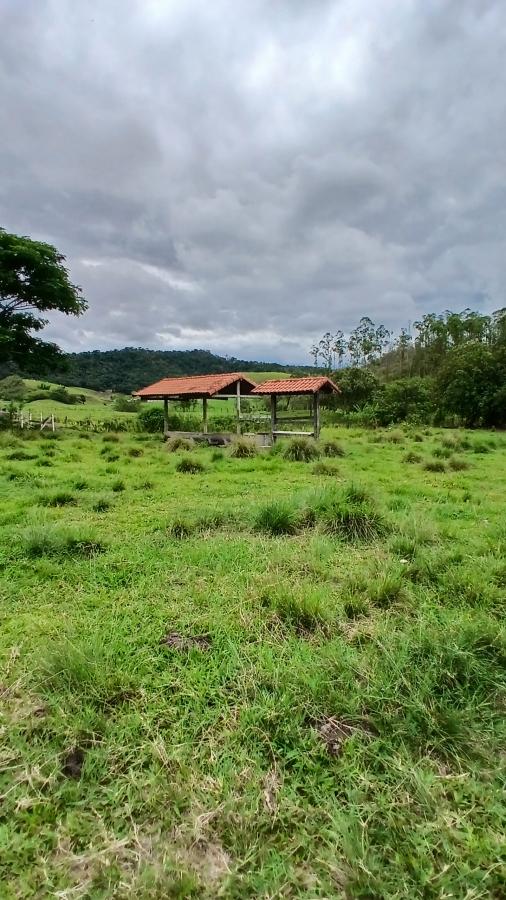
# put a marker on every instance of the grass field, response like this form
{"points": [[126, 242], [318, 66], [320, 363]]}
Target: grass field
{"points": [[264, 679]]}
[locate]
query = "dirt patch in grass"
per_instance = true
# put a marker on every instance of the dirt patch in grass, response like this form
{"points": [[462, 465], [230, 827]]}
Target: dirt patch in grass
{"points": [[334, 733], [73, 762], [183, 643]]}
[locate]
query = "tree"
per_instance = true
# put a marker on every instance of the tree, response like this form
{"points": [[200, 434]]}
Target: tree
{"points": [[471, 385], [33, 280], [358, 387]]}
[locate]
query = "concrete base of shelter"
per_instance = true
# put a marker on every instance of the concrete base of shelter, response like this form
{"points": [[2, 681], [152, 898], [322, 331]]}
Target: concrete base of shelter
{"points": [[219, 438]]}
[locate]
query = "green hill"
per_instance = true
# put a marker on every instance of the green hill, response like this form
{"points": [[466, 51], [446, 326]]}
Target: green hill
{"points": [[127, 370]]}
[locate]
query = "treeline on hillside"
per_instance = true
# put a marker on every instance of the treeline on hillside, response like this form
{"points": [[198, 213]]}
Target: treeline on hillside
{"points": [[124, 371], [451, 370]]}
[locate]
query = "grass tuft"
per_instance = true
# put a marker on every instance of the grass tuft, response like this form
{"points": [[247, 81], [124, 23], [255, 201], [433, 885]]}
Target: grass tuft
{"points": [[242, 449], [190, 466], [325, 468], [435, 465], [57, 540], [178, 443], [333, 448], [301, 449], [278, 517]]}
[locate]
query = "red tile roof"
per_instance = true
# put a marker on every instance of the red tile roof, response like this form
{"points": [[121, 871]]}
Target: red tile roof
{"points": [[194, 386], [298, 386]]}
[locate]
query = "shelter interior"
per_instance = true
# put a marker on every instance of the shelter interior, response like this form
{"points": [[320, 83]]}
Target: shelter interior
{"points": [[235, 385]]}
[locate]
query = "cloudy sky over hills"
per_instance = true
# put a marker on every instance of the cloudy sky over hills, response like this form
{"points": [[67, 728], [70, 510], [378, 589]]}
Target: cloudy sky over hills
{"points": [[243, 175]]}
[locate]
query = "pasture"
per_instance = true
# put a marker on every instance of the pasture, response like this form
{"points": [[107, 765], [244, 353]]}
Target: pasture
{"points": [[253, 676]]}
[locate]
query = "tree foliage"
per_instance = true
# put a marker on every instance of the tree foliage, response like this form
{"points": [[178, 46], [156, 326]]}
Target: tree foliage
{"points": [[33, 280], [453, 367]]}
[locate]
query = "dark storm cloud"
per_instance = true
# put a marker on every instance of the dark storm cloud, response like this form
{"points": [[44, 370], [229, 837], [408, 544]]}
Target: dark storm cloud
{"points": [[245, 176]]}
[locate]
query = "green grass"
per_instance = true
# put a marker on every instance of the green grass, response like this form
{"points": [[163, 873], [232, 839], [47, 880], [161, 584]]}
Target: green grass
{"points": [[252, 682]]}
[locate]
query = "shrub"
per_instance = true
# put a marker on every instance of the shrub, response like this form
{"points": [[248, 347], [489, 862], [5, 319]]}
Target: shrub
{"points": [[190, 466], [277, 517], [325, 468], [178, 443], [150, 419], [243, 448], [435, 465], [332, 448], [301, 449]]}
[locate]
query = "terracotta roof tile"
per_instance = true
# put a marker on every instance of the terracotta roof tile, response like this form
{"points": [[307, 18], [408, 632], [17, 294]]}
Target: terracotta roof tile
{"points": [[297, 386], [194, 386]]}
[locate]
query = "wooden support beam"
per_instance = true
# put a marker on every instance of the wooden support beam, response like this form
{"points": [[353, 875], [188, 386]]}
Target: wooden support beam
{"points": [[165, 414], [238, 408], [273, 416], [204, 414], [316, 415]]}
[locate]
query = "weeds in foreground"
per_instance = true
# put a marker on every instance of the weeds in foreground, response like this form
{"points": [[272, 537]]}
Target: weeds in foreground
{"points": [[434, 465]]}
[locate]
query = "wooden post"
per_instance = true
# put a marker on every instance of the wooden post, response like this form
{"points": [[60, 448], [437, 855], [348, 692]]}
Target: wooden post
{"points": [[316, 415], [165, 414], [238, 408], [204, 413], [273, 416], [52, 421]]}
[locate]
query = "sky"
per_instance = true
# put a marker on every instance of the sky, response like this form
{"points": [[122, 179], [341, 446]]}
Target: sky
{"points": [[244, 175]]}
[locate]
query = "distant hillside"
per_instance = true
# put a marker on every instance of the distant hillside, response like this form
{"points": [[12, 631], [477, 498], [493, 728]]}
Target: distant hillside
{"points": [[127, 370]]}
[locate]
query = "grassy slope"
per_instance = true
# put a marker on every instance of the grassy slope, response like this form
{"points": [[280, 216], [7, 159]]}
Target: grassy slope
{"points": [[204, 771]]}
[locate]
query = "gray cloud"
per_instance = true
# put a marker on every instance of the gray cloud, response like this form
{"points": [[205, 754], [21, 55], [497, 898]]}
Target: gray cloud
{"points": [[245, 176]]}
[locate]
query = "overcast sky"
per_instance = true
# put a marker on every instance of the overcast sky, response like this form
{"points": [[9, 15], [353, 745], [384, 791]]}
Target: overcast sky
{"points": [[243, 175]]}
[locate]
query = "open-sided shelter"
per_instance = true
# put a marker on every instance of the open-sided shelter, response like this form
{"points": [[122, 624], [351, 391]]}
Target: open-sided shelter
{"points": [[313, 387], [199, 387]]}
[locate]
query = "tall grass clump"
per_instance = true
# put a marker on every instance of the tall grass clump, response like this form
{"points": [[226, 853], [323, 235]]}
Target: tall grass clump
{"points": [[301, 449], [458, 464], [349, 513], [332, 448], [278, 517], [59, 498], [190, 466], [242, 449], [435, 465], [178, 443], [84, 668], [46, 539], [325, 468], [412, 457]]}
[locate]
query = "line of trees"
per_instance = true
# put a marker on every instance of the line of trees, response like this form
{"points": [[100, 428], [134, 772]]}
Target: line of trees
{"points": [[451, 369]]}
